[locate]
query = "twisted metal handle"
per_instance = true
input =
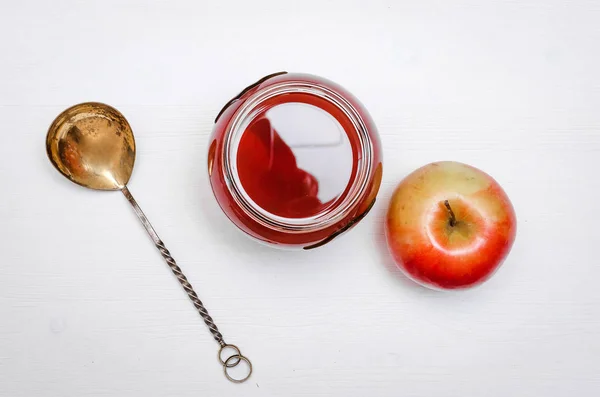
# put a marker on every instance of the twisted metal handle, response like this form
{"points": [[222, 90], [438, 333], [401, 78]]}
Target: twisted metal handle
{"points": [[234, 359], [191, 293]]}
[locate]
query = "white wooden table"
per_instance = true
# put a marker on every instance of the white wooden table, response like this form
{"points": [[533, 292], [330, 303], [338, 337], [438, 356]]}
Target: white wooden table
{"points": [[88, 308]]}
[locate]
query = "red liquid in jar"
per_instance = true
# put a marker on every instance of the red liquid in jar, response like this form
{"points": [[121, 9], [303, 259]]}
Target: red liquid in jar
{"points": [[270, 175], [297, 158], [269, 165]]}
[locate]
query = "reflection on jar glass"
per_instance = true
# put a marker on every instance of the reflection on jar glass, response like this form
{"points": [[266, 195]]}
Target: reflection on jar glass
{"points": [[294, 160]]}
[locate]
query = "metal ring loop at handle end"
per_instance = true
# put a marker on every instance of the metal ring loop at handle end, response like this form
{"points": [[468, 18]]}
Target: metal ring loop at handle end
{"points": [[237, 353], [233, 361], [227, 365]]}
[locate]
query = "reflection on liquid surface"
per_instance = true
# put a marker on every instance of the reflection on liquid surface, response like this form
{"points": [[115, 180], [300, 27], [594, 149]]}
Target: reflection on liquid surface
{"points": [[294, 160]]}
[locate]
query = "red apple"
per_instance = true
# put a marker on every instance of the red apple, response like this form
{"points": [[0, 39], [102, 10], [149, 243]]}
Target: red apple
{"points": [[450, 225]]}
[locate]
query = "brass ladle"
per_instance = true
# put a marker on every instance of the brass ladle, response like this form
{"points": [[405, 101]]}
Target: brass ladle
{"points": [[92, 145]]}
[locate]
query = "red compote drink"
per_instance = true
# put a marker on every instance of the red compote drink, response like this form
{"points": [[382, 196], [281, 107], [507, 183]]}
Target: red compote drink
{"points": [[295, 160]]}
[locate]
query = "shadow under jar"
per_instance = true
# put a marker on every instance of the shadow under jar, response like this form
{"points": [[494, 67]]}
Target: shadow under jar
{"points": [[295, 160]]}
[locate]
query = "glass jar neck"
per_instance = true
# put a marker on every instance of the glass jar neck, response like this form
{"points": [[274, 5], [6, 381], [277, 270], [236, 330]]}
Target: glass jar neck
{"points": [[328, 100]]}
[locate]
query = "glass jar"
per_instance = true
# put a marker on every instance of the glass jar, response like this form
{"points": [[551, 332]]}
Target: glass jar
{"points": [[294, 160]]}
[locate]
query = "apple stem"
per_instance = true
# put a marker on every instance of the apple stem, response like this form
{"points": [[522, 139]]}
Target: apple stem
{"points": [[452, 216]]}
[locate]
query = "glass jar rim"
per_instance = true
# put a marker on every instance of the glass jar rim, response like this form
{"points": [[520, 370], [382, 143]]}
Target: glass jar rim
{"points": [[246, 113]]}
